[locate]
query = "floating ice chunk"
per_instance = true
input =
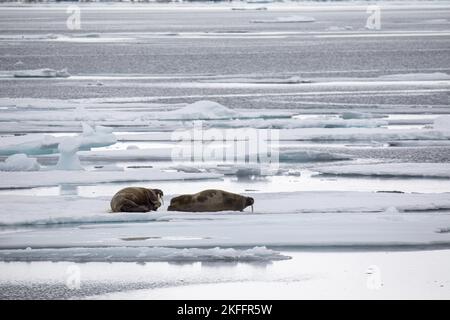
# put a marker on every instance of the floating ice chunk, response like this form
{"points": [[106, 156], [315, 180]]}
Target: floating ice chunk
{"points": [[391, 210], [19, 162], [142, 254], [42, 73], [68, 159], [200, 110], [63, 73], [289, 19], [45, 144]]}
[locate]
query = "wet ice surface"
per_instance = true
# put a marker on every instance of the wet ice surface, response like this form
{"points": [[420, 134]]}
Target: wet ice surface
{"points": [[384, 90], [309, 275]]}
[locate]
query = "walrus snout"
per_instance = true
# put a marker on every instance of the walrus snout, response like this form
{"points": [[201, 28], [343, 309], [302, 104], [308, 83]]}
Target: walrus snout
{"points": [[159, 193], [249, 201]]}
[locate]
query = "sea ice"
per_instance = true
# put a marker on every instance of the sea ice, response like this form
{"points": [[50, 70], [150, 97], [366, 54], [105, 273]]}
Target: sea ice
{"points": [[68, 158], [19, 162], [200, 110], [42, 73], [142, 254]]}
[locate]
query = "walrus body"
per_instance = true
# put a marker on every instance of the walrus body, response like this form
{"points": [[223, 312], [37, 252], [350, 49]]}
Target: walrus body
{"points": [[210, 200], [136, 199]]}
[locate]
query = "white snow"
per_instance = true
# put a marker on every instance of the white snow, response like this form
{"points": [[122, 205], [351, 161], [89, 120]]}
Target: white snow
{"points": [[42, 73], [430, 170], [19, 162], [142, 254]]}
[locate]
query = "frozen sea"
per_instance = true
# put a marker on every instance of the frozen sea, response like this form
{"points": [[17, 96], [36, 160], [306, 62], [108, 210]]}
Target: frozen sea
{"points": [[358, 206]]}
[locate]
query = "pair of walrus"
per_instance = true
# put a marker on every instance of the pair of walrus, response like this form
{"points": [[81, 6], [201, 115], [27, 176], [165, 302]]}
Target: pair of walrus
{"points": [[136, 199]]}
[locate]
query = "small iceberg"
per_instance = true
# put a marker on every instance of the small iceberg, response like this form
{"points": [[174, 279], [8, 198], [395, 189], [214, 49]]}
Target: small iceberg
{"points": [[200, 110], [20, 162], [42, 73]]}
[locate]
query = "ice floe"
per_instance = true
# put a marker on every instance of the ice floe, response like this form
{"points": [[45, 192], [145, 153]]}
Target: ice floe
{"points": [[43, 144], [68, 158], [141, 254], [59, 177], [429, 170], [42, 73], [31, 210], [200, 110], [19, 162]]}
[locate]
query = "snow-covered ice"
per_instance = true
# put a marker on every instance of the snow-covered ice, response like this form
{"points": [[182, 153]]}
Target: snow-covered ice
{"points": [[42, 73], [63, 177], [19, 162], [31, 210]]}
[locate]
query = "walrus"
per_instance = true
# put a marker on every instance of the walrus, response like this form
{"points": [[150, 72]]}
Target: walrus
{"points": [[135, 199], [210, 200]]}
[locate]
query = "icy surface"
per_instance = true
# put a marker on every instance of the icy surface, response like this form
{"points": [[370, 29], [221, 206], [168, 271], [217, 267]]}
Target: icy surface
{"points": [[143, 254], [19, 162], [71, 209], [58, 177], [42, 73], [42, 144], [432, 170], [201, 110], [68, 158]]}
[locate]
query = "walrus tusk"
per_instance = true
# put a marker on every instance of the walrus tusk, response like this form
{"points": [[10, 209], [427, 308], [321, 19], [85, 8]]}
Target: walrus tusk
{"points": [[160, 199], [252, 208]]}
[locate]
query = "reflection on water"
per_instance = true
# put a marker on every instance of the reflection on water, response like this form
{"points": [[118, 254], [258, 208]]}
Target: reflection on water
{"points": [[321, 274], [307, 181]]}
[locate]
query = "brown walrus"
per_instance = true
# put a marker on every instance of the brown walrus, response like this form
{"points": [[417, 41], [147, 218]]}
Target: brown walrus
{"points": [[135, 199], [210, 200]]}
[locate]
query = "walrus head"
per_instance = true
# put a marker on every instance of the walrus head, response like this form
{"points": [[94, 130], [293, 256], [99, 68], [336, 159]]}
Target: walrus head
{"points": [[159, 194], [249, 201]]}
